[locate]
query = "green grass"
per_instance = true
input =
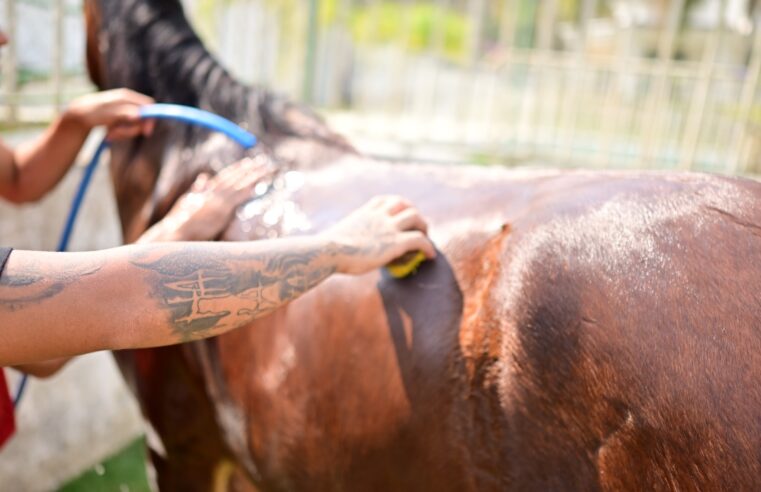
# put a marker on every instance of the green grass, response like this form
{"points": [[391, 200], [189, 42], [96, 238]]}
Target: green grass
{"points": [[123, 472]]}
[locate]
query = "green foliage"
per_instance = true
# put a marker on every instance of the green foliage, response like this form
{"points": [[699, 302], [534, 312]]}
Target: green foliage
{"points": [[328, 11], [568, 10], [736, 113], [205, 16], [414, 26], [123, 472], [26, 75], [70, 10]]}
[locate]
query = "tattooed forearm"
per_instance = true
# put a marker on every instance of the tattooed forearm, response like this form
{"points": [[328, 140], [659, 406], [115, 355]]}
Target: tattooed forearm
{"points": [[205, 291], [33, 285]]}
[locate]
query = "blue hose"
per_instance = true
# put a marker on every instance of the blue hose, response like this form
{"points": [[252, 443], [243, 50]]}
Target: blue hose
{"points": [[63, 242], [186, 114], [199, 117]]}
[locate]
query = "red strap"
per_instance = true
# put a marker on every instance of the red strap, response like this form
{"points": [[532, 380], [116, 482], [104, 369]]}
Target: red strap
{"points": [[7, 421]]}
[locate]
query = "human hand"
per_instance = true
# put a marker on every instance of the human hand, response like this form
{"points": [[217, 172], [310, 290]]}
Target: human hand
{"points": [[377, 233], [205, 210], [117, 109]]}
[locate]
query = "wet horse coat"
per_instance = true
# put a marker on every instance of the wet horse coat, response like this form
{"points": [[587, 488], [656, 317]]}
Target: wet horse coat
{"points": [[579, 330]]}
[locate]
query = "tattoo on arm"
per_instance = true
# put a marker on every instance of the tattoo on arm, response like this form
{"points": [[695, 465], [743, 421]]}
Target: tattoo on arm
{"points": [[36, 284], [197, 288]]}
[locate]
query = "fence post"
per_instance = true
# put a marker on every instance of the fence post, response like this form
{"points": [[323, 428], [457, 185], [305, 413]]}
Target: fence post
{"points": [[58, 51], [696, 114], [747, 96], [307, 91], [10, 80], [546, 20], [508, 23], [476, 12], [573, 88], [657, 102]]}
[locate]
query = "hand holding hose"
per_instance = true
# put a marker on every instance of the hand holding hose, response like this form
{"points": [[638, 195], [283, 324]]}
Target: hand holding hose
{"points": [[118, 110]]}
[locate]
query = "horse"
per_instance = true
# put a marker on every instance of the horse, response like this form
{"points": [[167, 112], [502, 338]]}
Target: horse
{"points": [[579, 330]]}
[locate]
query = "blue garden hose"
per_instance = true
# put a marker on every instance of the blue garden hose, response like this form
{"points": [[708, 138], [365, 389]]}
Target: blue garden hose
{"points": [[199, 117], [186, 114]]}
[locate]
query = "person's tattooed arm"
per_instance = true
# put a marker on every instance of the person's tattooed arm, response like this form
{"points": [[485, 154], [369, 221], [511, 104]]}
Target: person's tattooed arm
{"points": [[63, 304], [38, 282], [205, 292]]}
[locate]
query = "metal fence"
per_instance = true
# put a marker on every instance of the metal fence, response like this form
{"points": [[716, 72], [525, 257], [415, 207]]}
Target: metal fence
{"points": [[666, 84], [42, 66], [608, 83]]}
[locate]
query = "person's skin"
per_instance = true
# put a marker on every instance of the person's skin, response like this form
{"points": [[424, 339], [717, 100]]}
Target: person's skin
{"points": [[205, 210], [200, 214], [33, 169], [63, 304], [30, 171]]}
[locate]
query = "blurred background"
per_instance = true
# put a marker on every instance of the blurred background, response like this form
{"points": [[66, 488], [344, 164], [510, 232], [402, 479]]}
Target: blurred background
{"points": [[663, 84], [593, 83]]}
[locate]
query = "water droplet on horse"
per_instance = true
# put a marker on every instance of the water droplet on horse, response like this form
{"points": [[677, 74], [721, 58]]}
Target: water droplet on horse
{"points": [[273, 215], [250, 210], [293, 180], [261, 188]]}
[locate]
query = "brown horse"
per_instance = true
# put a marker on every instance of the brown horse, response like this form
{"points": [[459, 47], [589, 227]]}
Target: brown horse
{"points": [[579, 330]]}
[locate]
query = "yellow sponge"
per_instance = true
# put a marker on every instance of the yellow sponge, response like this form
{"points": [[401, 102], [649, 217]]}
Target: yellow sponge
{"points": [[406, 264]]}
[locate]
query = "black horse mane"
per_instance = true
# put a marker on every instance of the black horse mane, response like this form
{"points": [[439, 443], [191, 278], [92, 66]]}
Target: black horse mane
{"points": [[152, 48]]}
